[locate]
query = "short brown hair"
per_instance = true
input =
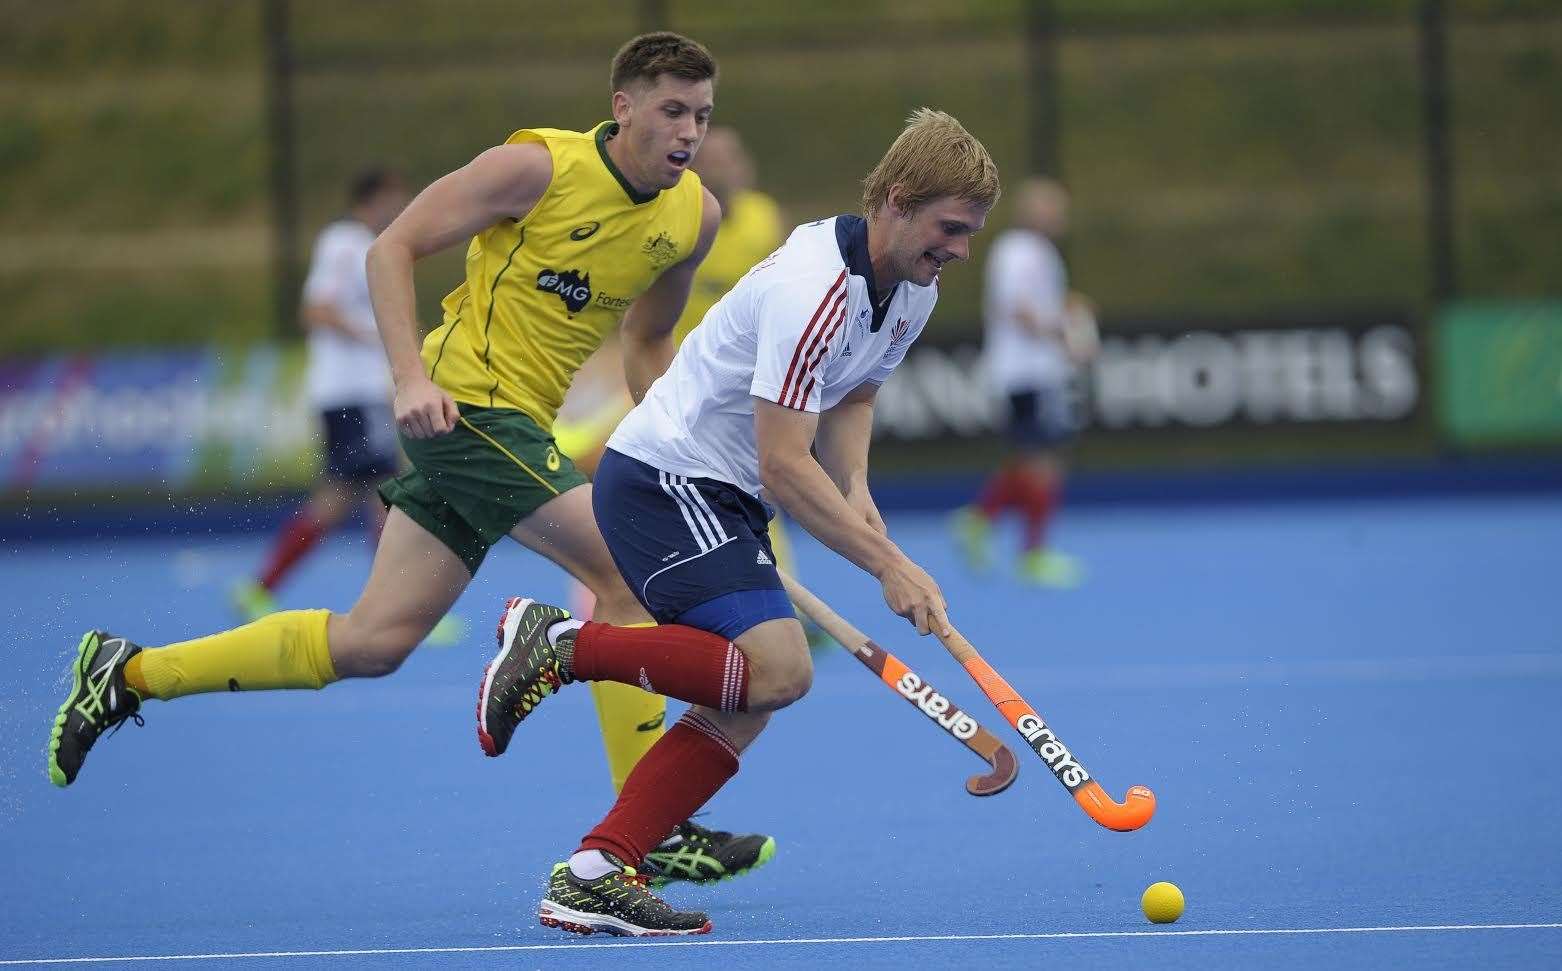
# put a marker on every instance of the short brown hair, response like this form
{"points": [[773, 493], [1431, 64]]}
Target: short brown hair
{"points": [[933, 156], [649, 56]]}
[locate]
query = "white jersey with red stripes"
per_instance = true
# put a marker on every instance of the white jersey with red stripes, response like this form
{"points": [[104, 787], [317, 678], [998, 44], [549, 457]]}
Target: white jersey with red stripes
{"points": [[802, 329]]}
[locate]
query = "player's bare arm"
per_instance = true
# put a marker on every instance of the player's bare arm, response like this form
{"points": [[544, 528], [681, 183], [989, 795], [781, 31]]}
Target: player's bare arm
{"points": [[648, 325], [1038, 324], [504, 182], [792, 477], [319, 315], [845, 432]]}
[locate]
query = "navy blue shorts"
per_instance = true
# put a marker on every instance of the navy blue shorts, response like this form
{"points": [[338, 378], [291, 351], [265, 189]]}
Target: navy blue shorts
{"points": [[694, 551], [1043, 417], [360, 442]]}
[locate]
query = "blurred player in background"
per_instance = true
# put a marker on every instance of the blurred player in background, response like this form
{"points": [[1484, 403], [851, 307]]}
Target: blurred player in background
{"points": [[572, 235], [1037, 333], [785, 367], [348, 383]]}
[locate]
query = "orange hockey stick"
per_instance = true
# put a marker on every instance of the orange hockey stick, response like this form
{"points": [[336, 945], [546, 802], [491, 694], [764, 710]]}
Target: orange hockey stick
{"points": [[909, 685], [1125, 816]]}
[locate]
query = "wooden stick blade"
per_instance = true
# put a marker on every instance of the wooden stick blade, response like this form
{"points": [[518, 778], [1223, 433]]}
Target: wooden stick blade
{"points": [[1003, 766]]}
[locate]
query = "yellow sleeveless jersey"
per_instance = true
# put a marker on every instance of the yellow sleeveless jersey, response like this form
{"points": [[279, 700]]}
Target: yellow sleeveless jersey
{"points": [[750, 231], [542, 292]]}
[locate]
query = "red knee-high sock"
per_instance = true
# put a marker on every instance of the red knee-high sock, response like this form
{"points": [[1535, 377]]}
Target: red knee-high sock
{"points": [[681, 662], [696, 757], [1038, 497], [998, 493], [299, 535]]}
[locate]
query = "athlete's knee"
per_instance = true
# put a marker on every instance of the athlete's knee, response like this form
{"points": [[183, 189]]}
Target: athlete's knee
{"points": [[615, 604], [780, 677], [361, 648]]}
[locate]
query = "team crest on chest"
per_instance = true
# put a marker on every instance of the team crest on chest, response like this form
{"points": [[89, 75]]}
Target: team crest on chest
{"points": [[897, 334], [660, 250]]}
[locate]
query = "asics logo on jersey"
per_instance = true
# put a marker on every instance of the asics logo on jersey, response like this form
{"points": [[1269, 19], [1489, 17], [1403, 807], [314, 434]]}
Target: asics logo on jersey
{"points": [[571, 286], [580, 233]]}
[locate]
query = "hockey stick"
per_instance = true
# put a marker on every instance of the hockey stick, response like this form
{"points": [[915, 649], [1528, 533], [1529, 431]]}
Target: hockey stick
{"points": [[1132, 813], [906, 683]]}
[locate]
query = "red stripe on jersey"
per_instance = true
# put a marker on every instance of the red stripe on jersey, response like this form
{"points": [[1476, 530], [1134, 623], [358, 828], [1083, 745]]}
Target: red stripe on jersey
{"points": [[828, 334], [815, 348], [797, 355]]}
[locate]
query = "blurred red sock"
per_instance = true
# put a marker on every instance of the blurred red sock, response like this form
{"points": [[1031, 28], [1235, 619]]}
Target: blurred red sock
{"points": [[679, 774], [998, 493], [1038, 498], [299, 535]]}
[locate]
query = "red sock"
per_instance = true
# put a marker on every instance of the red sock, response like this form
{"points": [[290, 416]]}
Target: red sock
{"points": [[998, 493], [299, 535], [680, 773], [1038, 498], [681, 662]]}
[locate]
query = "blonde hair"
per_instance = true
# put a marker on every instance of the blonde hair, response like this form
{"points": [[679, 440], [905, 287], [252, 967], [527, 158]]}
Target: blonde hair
{"points": [[934, 156]]}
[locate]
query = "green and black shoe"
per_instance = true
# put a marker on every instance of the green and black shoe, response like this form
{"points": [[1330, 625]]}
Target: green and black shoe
{"points": [[702, 855], [98, 700], [618, 903], [525, 671]]}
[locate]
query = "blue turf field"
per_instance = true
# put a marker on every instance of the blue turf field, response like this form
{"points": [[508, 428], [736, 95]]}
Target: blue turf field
{"points": [[1349, 712]]}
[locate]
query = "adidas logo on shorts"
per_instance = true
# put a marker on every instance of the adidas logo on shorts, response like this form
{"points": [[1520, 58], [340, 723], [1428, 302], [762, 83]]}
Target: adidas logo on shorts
{"points": [[762, 559]]}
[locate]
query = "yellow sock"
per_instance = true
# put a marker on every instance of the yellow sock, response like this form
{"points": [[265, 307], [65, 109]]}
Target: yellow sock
{"points": [[283, 650], [632, 720]]}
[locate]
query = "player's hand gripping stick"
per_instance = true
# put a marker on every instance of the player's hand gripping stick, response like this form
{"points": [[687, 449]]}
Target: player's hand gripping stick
{"points": [[906, 683]]}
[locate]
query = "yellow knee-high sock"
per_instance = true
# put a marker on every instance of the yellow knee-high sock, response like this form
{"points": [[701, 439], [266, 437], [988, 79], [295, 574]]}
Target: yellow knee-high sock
{"points": [[283, 650], [631, 719]]}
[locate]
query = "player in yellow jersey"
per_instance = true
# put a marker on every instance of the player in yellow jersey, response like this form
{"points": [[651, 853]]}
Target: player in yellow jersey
{"points": [[573, 235]]}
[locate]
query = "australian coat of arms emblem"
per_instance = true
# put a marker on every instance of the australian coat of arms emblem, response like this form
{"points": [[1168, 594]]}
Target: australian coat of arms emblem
{"points": [[660, 250]]}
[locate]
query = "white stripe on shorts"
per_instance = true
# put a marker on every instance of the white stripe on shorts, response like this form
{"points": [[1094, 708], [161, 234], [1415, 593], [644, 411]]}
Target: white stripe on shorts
{"points": [[701, 536], [710, 517]]}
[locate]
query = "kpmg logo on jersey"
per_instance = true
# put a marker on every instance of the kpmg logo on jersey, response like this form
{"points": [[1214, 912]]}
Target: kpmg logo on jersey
{"points": [[660, 250], [571, 286]]}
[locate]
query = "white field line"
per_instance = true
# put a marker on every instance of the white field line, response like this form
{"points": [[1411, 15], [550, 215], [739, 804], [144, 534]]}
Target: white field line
{"points": [[909, 938]]}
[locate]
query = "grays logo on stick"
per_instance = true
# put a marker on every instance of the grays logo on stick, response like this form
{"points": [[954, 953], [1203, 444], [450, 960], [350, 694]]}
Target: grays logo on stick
{"points": [[1053, 752], [936, 706]]}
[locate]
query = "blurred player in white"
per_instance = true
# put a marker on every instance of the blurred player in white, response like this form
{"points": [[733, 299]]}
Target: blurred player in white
{"points": [[348, 383], [1037, 333], [768, 401]]}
